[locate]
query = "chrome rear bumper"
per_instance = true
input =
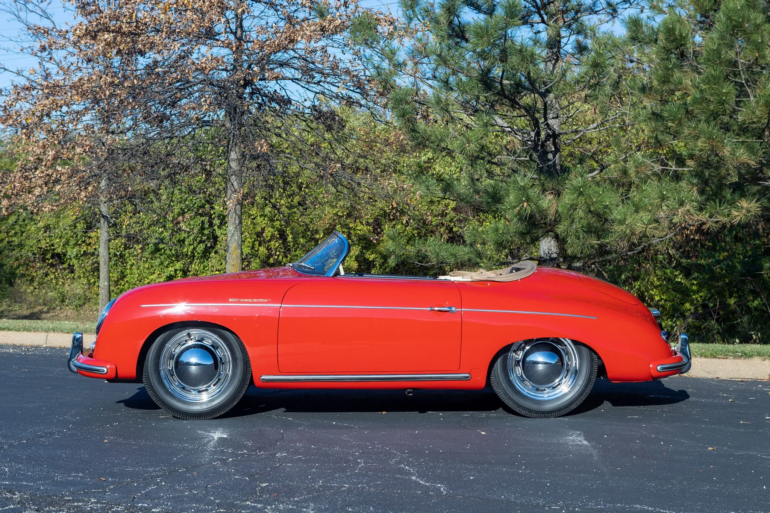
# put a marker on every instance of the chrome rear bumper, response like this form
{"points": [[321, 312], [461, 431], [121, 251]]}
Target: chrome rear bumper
{"points": [[683, 349]]}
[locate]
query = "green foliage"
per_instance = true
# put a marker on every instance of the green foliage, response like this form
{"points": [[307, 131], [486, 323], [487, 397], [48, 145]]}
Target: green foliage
{"points": [[712, 284], [730, 351], [52, 257], [177, 228], [87, 327], [660, 186]]}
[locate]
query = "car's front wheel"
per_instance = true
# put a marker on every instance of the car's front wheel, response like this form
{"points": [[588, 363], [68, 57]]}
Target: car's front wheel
{"points": [[544, 377], [197, 372]]}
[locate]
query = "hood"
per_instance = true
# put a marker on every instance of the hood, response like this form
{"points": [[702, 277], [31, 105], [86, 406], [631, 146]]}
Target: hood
{"points": [[222, 288]]}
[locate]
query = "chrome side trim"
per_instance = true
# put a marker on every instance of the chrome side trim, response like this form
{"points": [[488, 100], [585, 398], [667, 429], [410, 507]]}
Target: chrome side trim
{"points": [[289, 306], [524, 312], [210, 304], [450, 309], [347, 378], [447, 309], [361, 307], [89, 368]]}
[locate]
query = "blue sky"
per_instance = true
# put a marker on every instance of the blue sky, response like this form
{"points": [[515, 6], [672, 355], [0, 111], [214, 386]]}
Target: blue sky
{"points": [[9, 28], [11, 58]]}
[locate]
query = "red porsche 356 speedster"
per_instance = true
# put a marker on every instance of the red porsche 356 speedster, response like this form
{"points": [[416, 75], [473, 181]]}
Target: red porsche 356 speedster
{"points": [[538, 336]]}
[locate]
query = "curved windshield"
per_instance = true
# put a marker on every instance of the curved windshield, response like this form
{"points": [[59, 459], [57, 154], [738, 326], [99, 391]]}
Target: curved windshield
{"points": [[325, 258]]}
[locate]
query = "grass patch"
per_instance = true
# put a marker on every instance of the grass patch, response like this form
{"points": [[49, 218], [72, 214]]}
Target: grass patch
{"points": [[730, 351], [47, 326]]}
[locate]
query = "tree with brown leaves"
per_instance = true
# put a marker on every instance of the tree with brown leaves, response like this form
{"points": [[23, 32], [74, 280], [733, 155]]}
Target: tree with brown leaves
{"points": [[146, 78], [240, 72], [69, 126]]}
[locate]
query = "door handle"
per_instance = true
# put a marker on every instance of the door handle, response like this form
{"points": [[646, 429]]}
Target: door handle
{"points": [[447, 309]]}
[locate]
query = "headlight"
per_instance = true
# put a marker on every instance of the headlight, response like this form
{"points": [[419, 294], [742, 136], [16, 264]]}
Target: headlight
{"points": [[103, 315]]}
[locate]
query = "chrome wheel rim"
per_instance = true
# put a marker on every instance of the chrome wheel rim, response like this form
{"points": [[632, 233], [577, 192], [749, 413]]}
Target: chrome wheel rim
{"points": [[543, 369], [196, 366]]}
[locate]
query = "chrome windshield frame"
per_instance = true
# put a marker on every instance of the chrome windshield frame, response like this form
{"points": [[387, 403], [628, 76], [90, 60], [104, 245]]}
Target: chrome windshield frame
{"points": [[333, 270]]}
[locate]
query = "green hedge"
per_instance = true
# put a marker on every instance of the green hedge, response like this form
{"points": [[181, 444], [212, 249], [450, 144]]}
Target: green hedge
{"points": [[711, 285]]}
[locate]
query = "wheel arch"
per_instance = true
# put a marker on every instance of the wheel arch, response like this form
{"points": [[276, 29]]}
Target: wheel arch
{"points": [[601, 370], [152, 337]]}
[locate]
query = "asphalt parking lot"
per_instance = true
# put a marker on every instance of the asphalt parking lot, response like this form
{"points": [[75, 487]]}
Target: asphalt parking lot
{"points": [[73, 444]]}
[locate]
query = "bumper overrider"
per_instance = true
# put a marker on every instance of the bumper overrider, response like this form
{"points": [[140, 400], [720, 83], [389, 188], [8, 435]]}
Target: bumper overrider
{"points": [[85, 365], [679, 363]]}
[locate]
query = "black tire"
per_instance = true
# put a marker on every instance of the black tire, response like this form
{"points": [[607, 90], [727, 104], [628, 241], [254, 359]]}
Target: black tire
{"points": [[230, 366], [502, 380]]}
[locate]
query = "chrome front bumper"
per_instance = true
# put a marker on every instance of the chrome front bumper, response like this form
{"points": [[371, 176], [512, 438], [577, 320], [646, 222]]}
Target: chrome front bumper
{"points": [[683, 350], [77, 350]]}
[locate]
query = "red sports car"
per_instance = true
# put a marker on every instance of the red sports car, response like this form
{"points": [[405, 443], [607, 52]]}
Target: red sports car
{"points": [[538, 336]]}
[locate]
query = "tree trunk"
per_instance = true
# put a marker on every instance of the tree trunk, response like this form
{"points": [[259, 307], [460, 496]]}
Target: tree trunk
{"points": [[104, 243], [549, 251], [549, 154], [234, 208], [235, 152]]}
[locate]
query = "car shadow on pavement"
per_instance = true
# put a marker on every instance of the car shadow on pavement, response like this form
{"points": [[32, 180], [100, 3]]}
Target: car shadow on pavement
{"points": [[141, 400], [256, 400], [620, 395]]}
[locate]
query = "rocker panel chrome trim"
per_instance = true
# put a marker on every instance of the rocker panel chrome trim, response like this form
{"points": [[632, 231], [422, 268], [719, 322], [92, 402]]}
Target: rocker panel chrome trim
{"points": [[316, 378]]}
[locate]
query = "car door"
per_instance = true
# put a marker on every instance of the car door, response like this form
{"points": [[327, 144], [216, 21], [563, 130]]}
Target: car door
{"points": [[347, 324]]}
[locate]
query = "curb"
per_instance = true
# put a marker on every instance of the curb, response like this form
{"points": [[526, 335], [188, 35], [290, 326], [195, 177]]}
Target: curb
{"points": [[34, 338], [712, 368], [730, 368]]}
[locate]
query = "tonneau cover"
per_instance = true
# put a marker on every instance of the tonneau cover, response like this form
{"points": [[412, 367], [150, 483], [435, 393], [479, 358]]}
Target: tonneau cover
{"points": [[517, 271]]}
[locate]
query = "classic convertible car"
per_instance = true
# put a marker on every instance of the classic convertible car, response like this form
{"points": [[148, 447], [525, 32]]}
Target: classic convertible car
{"points": [[538, 336]]}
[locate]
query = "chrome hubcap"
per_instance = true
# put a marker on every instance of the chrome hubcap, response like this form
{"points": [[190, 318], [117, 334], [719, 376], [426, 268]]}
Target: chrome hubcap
{"points": [[543, 369], [196, 366]]}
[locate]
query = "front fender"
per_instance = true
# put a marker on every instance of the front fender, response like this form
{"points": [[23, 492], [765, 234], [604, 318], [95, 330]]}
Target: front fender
{"points": [[249, 309]]}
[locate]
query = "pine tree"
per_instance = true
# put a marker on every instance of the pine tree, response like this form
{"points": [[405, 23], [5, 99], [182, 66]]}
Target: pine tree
{"points": [[517, 92], [706, 104], [660, 130]]}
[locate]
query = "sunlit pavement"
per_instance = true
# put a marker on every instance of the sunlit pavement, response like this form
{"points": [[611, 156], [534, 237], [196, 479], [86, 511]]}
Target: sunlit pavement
{"points": [[73, 444]]}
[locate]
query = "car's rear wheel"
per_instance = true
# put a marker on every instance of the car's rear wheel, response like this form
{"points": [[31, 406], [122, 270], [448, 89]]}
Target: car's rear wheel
{"points": [[546, 377], [197, 372]]}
